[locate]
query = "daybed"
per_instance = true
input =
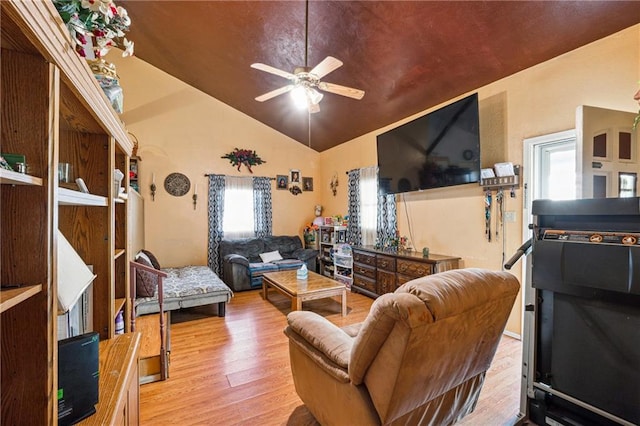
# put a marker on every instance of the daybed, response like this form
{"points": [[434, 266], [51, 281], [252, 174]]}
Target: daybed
{"points": [[155, 290], [244, 261], [187, 287]]}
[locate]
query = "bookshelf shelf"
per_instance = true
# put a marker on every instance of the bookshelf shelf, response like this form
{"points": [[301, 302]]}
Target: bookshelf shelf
{"points": [[13, 296], [7, 177], [68, 197]]}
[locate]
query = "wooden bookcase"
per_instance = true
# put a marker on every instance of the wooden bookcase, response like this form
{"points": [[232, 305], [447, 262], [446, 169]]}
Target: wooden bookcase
{"points": [[53, 110]]}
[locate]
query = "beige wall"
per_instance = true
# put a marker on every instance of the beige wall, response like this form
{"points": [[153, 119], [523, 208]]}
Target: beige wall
{"points": [[183, 130], [540, 100]]}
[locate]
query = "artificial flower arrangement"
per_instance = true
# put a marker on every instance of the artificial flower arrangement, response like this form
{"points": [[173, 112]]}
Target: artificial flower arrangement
{"points": [[310, 230], [310, 227], [238, 157], [96, 24]]}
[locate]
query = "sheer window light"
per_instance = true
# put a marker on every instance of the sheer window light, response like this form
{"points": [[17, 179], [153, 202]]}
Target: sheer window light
{"points": [[238, 218], [368, 204]]}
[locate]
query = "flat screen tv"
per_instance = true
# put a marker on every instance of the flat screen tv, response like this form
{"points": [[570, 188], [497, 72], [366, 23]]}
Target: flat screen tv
{"points": [[436, 150]]}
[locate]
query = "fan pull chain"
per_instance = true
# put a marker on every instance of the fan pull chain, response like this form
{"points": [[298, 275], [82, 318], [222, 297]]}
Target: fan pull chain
{"points": [[309, 126]]}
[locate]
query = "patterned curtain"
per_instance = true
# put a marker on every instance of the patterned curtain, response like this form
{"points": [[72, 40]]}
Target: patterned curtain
{"points": [[387, 220], [216, 211], [262, 206], [354, 235]]}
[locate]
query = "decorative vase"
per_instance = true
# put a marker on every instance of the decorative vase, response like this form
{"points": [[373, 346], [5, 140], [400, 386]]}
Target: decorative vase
{"points": [[105, 73]]}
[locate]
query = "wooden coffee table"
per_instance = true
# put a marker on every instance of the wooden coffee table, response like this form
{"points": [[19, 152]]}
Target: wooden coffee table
{"points": [[314, 287]]}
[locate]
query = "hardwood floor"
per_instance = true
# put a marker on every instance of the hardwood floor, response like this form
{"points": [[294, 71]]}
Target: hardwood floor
{"points": [[235, 370]]}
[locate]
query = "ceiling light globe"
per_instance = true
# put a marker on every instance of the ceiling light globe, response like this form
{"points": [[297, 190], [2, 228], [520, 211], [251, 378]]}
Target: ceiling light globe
{"points": [[299, 95]]}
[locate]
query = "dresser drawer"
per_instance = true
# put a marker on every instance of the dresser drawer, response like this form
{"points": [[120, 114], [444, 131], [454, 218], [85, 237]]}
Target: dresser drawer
{"points": [[364, 270], [414, 269], [403, 279], [364, 257], [386, 282], [364, 282], [387, 263]]}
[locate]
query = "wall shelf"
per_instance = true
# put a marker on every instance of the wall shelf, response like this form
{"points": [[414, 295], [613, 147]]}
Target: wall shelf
{"points": [[502, 182]]}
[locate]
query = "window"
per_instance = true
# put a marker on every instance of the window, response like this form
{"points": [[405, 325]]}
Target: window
{"points": [[368, 204], [238, 218]]}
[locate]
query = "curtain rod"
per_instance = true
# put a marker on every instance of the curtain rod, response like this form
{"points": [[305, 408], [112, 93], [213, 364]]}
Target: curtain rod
{"points": [[243, 177], [353, 170]]}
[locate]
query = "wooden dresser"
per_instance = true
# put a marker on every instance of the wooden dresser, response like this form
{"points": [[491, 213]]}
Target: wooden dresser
{"points": [[376, 272]]}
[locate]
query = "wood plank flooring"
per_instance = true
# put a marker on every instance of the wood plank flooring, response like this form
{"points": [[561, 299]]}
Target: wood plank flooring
{"points": [[235, 370]]}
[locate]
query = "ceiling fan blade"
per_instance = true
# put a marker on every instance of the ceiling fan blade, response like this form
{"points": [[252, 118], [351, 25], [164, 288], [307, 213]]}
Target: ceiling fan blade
{"points": [[341, 90], [272, 70], [328, 65], [274, 93]]}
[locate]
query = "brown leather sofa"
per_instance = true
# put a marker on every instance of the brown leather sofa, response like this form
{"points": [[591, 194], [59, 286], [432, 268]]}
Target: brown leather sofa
{"points": [[419, 358]]}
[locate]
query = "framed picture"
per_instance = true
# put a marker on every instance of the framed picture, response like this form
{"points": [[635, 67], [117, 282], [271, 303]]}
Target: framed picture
{"points": [[328, 221], [294, 176], [282, 181], [307, 184]]}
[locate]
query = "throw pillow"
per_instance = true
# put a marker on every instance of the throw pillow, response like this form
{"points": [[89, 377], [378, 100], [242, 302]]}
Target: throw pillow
{"points": [[146, 282], [270, 256], [141, 255], [152, 259]]}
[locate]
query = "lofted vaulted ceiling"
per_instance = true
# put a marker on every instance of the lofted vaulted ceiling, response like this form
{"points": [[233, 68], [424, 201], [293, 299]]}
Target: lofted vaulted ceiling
{"points": [[406, 55]]}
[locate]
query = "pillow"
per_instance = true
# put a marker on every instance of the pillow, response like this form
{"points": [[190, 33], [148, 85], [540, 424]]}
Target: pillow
{"points": [[146, 282], [141, 255], [271, 256], [152, 259]]}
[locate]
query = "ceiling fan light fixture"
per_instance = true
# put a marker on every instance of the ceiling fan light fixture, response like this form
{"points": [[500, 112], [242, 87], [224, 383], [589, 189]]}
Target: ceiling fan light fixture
{"points": [[299, 95], [314, 96], [305, 96]]}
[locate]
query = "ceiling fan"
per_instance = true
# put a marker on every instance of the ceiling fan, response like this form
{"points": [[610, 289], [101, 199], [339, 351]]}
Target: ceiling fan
{"points": [[304, 80]]}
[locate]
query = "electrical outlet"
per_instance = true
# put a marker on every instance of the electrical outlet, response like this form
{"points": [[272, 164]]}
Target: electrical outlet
{"points": [[510, 216]]}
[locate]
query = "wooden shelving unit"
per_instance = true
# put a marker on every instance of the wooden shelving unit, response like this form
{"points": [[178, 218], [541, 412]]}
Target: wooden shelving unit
{"points": [[53, 110]]}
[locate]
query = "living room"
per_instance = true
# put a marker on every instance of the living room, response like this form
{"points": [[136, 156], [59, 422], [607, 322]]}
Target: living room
{"points": [[179, 128]]}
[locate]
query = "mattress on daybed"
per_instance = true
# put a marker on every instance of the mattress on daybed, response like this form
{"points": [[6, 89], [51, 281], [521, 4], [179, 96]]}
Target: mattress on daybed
{"points": [[186, 287]]}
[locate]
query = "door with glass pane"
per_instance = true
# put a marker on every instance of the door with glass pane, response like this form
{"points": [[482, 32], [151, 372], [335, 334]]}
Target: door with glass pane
{"points": [[549, 170], [607, 153]]}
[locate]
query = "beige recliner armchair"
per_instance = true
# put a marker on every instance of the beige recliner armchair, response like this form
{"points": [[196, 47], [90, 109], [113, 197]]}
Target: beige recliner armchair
{"points": [[419, 358]]}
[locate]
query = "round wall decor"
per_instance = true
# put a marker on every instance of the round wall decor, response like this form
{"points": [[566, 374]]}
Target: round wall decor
{"points": [[177, 184]]}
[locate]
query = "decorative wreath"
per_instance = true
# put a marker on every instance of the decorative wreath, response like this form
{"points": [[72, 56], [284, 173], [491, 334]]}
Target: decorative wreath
{"points": [[238, 157]]}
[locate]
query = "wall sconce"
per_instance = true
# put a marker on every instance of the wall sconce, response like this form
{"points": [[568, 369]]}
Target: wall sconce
{"points": [[153, 187], [195, 196], [334, 184]]}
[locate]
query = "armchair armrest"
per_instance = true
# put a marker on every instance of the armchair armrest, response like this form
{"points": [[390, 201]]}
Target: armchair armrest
{"points": [[304, 254], [322, 335], [236, 258]]}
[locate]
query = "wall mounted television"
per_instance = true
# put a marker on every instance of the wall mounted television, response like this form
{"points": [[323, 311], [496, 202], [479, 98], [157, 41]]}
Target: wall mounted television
{"points": [[436, 150]]}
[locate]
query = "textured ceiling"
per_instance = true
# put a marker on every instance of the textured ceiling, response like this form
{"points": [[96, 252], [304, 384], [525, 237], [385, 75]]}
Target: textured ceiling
{"points": [[407, 56]]}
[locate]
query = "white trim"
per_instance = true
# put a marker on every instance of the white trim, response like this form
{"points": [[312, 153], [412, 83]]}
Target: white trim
{"points": [[512, 334]]}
